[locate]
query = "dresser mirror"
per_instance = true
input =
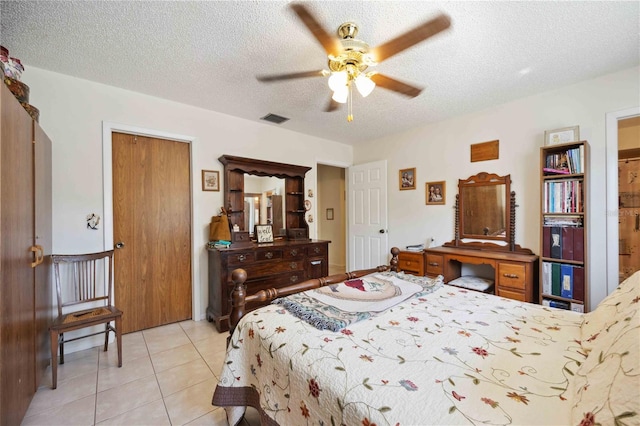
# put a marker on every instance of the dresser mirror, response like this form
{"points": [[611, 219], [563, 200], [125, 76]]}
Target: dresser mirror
{"points": [[483, 207], [258, 192], [486, 214], [263, 203]]}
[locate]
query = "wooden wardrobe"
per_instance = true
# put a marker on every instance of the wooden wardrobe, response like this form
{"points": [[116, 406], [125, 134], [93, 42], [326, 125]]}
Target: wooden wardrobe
{"points": [[26, 302]]}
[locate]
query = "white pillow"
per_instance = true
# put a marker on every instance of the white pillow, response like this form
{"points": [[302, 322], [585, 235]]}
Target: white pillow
{"points": [[472, 282]]}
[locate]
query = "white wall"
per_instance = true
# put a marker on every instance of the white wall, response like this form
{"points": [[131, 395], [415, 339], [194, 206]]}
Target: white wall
{"points": [[440, 151], [72, 111]]}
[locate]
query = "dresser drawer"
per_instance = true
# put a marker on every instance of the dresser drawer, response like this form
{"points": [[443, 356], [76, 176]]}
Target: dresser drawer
{"points": [[514, 295], [318, 250], [269, 254], [411, 262], [266, 269], [435, 264], [241, 258], [293, 253], [512, 275]]}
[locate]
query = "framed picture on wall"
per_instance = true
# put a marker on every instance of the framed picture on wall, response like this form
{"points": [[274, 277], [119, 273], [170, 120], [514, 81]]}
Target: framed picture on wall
{"points": [[330, 213], [435, 192], [210, 180], [264, 233], [564, 135], [407, 179]]}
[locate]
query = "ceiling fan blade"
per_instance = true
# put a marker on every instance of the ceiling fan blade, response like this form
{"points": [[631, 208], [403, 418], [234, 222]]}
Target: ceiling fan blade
{"points": [[330, 43], [331, 105], [279, 77], [395, 85], [411, 37]]}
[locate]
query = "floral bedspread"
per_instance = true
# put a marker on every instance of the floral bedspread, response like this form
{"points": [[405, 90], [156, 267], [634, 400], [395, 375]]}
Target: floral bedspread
{"points": [[450, 357]]}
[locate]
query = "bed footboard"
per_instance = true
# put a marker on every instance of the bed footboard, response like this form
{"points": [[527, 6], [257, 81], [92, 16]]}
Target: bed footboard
{"points": [[239, 297]]}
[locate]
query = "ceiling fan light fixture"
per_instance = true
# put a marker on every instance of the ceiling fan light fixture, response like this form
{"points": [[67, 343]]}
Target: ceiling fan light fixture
{"points": [[364, 85], [341, 95], [338, 80]]}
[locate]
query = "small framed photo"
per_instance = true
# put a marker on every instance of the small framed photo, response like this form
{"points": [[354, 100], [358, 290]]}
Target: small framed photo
{"points": [[210, 180], [264, 233], [330, 213], [407, 179], [564, 135], [435, 192]]}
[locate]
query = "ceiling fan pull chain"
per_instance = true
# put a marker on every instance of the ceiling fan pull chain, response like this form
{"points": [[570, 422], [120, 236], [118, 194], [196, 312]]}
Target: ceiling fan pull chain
{"points": [[349, 104]]}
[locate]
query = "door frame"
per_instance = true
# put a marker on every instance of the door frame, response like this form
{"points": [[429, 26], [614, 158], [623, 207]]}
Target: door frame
{"points": [[107, 183], [317, 210], [611, 154]]}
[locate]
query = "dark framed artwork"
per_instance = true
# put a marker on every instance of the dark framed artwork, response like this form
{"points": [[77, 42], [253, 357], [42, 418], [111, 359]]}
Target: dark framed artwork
{"points": [[407, 179], [435, 192]]}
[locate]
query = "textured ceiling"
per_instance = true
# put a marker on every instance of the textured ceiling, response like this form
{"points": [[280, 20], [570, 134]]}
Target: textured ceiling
{"points": [[208, 53]]}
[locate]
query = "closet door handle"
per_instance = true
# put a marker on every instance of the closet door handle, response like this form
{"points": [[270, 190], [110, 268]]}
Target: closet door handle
{"points": [[39, 252]]}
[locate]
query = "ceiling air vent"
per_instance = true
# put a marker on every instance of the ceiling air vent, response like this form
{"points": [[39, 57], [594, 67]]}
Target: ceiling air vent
{"points": [[273, 118]]}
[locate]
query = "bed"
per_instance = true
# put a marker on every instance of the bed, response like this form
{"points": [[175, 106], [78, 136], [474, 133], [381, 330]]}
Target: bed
{"points": [[444, 355]]}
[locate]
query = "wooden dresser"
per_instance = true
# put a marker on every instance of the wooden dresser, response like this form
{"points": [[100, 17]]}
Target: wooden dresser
{"points": [[271, 265], [516, 274]]}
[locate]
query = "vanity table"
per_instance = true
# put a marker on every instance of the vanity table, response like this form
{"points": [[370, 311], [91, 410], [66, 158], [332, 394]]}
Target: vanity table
{"points": [[515, 273], [485, 235], [291, 258]]}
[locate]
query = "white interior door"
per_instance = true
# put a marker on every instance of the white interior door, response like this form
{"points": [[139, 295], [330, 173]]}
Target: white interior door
{"points": [[367, 200]]}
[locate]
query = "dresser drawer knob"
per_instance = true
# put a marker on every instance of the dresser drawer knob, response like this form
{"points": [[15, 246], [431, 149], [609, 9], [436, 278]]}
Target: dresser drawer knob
{"points": [[294, 252], [510, 275], [316, 250], [242, 257], [293, 279], [268, 255], [293, 265], [434, 264]]}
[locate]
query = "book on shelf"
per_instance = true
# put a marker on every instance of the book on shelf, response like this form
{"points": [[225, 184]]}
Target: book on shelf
{"points": [[563, 242], [570, 161], [563, 196], [561, 304], [415, 247], [577, 307], [563, 280], [566, 277]]}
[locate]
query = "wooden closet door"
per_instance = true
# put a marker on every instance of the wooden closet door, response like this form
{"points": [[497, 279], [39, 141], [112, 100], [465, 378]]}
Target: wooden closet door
{"points": [[17, 379], [152, 218]]}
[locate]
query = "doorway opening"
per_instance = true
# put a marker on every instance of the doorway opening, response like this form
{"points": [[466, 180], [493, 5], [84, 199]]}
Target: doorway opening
{"points": [[332, 217], [628, 197]]}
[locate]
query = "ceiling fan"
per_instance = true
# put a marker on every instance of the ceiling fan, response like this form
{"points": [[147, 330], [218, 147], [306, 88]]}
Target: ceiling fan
{"points": [[349, 58]]}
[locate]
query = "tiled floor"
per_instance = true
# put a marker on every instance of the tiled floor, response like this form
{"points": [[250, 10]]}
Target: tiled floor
{"points": [[167, 377]]}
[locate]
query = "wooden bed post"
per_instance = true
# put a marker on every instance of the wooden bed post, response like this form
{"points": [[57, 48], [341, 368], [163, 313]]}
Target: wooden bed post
{"points": [[238, 294]]}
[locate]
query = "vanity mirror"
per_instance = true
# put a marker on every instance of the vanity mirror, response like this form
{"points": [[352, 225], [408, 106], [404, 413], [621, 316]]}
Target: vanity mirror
{"points": [[485, 214], [258, 192]]}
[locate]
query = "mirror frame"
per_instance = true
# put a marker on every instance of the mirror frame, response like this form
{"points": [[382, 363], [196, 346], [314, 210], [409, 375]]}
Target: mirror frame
{"points": [[293, 175], [479, 243]]}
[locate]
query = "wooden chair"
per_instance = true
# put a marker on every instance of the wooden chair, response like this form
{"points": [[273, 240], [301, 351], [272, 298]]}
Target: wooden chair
{"points": [[83, 282]]}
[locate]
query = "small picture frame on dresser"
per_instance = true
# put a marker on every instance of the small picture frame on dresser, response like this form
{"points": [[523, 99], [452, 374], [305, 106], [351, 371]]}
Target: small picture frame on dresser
{"points": [[264, 233]]}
